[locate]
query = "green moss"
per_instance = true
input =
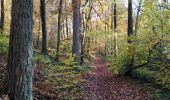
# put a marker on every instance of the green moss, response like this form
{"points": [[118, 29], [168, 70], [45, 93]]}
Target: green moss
{"points": [[66, 79], [4, 44]]}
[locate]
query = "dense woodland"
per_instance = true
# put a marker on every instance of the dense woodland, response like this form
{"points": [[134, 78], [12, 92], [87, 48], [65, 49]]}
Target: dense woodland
{"points": [[85, 50]]}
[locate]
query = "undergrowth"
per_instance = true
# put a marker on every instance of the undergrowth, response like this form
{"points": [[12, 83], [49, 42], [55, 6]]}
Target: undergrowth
{"points": [[156, 74], [65, 79], [4, 39]]}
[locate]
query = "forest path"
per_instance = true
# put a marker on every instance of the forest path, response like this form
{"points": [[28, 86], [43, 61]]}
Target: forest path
{"points": [[101, 84]]}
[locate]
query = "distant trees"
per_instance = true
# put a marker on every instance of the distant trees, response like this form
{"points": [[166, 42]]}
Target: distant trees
{"points": [[76, 30], [43, 22], [20, 65], [2, 15]]}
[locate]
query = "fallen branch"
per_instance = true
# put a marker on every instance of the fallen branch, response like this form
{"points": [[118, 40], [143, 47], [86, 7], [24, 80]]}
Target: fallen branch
{"points": [[149, 56]]}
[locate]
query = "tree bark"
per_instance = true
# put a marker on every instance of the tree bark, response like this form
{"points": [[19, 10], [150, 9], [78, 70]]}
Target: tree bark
{"points": [[130, 20], [105, 35], [76, 30], [89, 17], [63, 29], [115, 27], [66, 22], [83, 38], [59, 29], [137, 18], [2, 15], [130, 34], [43, 22], [20, 60], [39, 32]]}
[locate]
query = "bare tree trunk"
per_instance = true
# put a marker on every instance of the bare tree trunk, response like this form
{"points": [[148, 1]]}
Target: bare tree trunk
{"points": [[130, 20], [76, 30], [83, 38], [105, 37], [2, 15], [67, 27], [114, 27], [130, 33], [39, 32], [137, 18], [63, 29], [43, 22], [88, 28], [83, 23], [66, 23], [20, 65], [59, 29]]}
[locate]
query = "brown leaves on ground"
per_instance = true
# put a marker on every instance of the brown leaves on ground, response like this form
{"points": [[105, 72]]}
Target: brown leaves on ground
{"points": [[3, 73], [99, 84], [102, 85]]}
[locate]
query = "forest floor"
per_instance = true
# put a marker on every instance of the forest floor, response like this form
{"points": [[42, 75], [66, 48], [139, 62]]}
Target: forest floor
{"points": [[101, 84], [53, 82]]}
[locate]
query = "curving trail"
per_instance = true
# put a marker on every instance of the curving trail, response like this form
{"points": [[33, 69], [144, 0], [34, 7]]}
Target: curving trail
{"points": [[103, 85]]}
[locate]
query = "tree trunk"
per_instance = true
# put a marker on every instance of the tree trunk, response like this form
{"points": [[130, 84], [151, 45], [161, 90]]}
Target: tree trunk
{"points": [[76, 30], [137, 18], [130, 33], [130, 20], [67, 28], [114, 6], [20, 66], [83, 22], [83, 38], [43, 22], [89, 17], [82, 47], [59, 29], [105, 51], [2, 15], [39, 32], [63, 29], [66, 22]]}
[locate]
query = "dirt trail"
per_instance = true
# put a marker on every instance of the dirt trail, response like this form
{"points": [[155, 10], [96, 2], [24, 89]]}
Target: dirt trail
{"points": [[101, 84]]}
